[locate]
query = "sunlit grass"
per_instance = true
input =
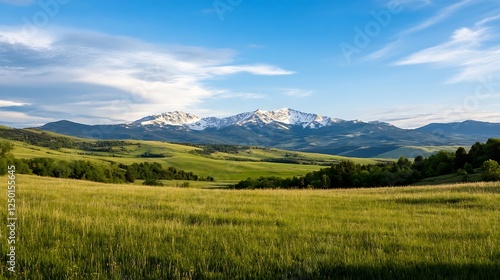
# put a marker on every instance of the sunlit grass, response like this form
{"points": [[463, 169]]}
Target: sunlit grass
{"points": [[83, 230], [180, 157]]}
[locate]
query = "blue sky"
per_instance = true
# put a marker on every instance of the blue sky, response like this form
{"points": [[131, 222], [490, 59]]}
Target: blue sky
{"points": [[406, 62]]}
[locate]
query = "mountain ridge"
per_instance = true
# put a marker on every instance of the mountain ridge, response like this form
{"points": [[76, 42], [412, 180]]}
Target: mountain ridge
{"points": [[284, 116], [286, 129]]}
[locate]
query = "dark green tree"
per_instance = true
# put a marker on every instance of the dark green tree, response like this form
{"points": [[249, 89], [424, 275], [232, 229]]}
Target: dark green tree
{"points": [[460, 158], [152, 182], [491, 170], [492, 149], [5, 148], [468, 168], [5, 156], [477, 155], [130, 175]]}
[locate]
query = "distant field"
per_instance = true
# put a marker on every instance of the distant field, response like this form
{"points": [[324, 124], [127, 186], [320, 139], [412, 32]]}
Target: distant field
{"points": [[83, 230], [221, 166]]}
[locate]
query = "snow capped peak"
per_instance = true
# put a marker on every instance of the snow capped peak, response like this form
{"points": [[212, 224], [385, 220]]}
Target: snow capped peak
{"points": [[292, 117], [283, 118], [175, 118]]}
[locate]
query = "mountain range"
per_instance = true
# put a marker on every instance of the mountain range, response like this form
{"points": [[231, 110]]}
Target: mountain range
{"points": [[287, 129], [282, 119]]}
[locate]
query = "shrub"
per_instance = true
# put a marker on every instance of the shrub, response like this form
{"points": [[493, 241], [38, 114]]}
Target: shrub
{"points": [[152, 182]]}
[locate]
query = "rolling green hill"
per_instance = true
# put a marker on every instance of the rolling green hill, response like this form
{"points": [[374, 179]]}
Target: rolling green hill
{"points": [[223, 166]]}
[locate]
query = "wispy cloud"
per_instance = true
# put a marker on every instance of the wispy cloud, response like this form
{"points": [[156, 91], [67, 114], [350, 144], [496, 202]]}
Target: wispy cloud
{"points": [[467, 51], [255, 46], [420, 115], [297, 93], [438, 17], [383, 52], [240, 95], [252, 69], [120, 77], [415, 4], [441, 15], [20, 119]]}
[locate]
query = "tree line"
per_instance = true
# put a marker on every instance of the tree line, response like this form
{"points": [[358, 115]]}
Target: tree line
{"points": [[207, 149], [347, 174], [155, 171], [44, 139]]}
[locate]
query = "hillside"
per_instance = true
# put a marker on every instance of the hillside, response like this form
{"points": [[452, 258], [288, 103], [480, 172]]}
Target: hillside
{"points": [[234, 164]]}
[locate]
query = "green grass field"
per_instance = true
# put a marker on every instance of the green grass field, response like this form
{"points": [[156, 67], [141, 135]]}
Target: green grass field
{"points": [[217, 165], [70, 229]]}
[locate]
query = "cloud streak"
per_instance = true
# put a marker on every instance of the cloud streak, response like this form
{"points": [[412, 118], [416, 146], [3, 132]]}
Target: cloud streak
{"points": [[297, 93], [474, 52], [8, 103], [440, 16], [417, 116]]}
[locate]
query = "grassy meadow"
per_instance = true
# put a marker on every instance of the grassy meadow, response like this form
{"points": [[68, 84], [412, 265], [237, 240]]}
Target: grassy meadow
{"points": [[72, 229], [223, 167]]}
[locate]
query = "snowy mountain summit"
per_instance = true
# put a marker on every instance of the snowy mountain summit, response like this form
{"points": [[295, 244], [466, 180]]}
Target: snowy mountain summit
{"points": [[282, 118], [176, 118]]}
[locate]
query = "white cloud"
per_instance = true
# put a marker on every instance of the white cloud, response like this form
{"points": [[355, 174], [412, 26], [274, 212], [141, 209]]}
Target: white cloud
{"points": [[7, 103], [467, 51], [20, 119], [16, 36], [124, 78]]}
